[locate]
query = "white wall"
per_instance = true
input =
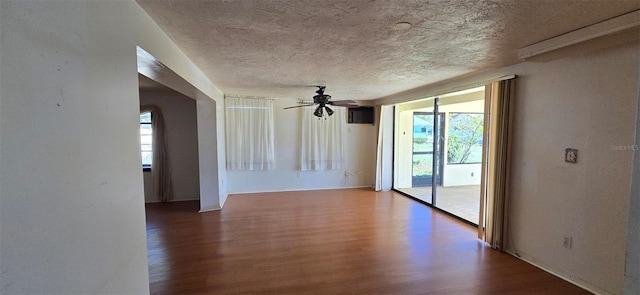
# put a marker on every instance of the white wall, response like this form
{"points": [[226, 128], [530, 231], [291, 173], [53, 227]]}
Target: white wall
{"points": [[359, 149], [585, 101], [72, 205], [461, 174], [209, 107], [220, 151], [582, 97], [386, 157], [212, 176], [180, 118], [632, 270]]}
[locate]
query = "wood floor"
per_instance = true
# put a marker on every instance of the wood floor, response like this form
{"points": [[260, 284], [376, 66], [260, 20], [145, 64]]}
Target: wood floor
{"points": [[328, 242], [462, 201]]}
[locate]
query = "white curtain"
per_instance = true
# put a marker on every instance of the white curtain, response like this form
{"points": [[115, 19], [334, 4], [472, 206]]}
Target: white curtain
{"points": [[249, 133], [160, 168], [323, 140], [378, 186], [384, 148]]}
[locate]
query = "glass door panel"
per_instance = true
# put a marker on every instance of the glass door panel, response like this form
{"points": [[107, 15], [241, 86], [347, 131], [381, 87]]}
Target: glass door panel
{"points": [[422, 170], [459, 193], [424, 136], [422, 157], [413, 149]]}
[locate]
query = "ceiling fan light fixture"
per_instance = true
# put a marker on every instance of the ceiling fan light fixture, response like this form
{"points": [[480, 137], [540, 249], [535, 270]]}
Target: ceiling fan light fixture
{"points": [[318, 111], [329, 111]]}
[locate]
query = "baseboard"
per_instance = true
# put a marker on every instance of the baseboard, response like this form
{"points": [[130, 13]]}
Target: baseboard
{"points": [[210, 208], [206, 209], [298, 190], [171, 201], [578, 282], [223, 200]]}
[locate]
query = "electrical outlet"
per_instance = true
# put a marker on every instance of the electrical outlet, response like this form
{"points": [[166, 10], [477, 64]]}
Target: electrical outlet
{"points": [[567, 241]]}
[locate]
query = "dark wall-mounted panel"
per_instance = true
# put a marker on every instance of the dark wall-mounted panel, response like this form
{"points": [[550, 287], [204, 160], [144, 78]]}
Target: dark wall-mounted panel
{"points": [[361, 115]]}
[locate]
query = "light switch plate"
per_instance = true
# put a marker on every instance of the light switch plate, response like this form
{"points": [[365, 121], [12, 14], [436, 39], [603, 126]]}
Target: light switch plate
{"points": [[571, 155]]}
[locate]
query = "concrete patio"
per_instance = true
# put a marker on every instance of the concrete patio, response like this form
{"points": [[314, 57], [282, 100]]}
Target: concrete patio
{"points": [[463, 201]]}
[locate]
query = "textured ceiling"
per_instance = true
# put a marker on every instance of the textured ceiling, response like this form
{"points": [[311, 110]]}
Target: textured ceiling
{"points": [[276, 48]]}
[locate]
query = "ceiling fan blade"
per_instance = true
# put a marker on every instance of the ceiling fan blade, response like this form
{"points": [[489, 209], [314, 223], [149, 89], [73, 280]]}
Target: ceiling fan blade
{"points": [[304, 105], [344, 103]]}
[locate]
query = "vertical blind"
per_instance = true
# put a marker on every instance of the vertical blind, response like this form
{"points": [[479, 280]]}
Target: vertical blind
{"points": [[249, 133], [323, 140], [496, 153]]}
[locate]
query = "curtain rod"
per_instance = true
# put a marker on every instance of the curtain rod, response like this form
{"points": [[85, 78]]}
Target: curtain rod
{"points": [[483, 82], [248, 97]]}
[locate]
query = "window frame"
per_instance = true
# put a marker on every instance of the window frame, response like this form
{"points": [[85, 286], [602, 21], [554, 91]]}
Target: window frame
{"points": [[146, 167]]}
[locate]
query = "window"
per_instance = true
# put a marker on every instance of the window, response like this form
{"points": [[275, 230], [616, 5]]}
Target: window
{"points": [[322, 140], [146, 136], [250, 133]]}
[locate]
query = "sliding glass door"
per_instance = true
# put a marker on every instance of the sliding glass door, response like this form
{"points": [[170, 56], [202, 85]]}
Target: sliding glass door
{"points": [[423, 148], [438, 151], [415, 134]]}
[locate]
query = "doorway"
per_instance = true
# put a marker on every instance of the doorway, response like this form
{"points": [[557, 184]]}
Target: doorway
{"points": [[180, 141], [211, 172]]}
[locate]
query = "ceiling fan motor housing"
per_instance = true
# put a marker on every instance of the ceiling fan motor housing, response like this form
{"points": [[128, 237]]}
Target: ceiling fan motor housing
{"points": [[321, 98]]}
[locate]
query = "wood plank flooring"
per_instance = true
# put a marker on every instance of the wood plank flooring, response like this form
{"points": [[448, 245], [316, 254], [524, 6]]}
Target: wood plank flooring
{"points": [[354, 241]]}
